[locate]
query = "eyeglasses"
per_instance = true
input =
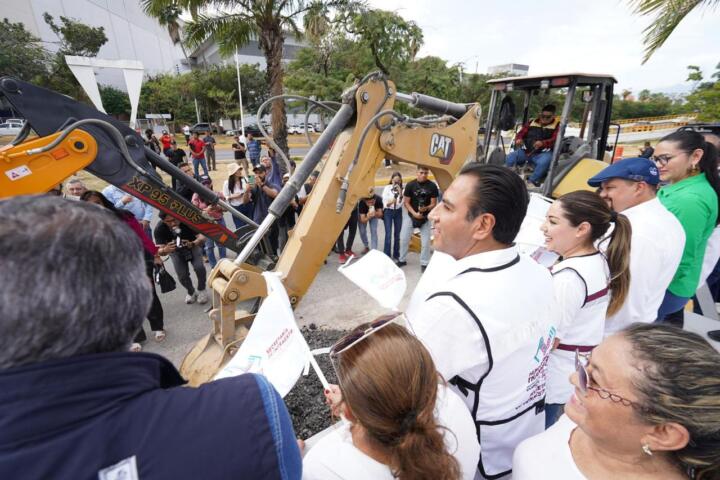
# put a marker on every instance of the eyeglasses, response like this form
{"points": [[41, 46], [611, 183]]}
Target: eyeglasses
{"points": [[357, 336], [584, 380], [663, 159], [543, 115]]}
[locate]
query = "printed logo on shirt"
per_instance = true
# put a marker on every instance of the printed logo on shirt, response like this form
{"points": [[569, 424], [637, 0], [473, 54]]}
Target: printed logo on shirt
{"points": [[123, 470], [442, 147]]}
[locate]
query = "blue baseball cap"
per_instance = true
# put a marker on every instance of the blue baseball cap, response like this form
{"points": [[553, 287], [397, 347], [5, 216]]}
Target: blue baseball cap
{"points": [[636, 169]]}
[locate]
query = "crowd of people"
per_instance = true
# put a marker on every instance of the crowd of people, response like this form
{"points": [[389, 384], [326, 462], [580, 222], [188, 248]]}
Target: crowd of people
{"points": [[498, 368]]}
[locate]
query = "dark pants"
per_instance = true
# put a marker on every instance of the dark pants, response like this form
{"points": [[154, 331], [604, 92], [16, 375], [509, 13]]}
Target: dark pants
{"points": [[183, 272], [210, 155], [672, 310], [155, 316], [351, 227], [393, 225], [247, 210], [713, 283]]}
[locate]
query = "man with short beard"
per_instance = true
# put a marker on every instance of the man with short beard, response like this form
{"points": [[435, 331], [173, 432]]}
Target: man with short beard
{"points": [[657, 241]]}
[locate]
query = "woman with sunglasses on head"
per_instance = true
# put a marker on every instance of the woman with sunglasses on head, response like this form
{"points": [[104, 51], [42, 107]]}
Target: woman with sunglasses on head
{"points": [[237, 191], [688, 164], [399, 419], [646, 406], [588, 286]]}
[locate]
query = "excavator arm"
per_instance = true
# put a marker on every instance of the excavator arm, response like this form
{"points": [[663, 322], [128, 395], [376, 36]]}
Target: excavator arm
{"points": [[73, 136], [363, 132]]}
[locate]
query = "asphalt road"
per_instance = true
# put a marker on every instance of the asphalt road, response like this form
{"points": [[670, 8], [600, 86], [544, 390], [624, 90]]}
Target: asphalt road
{"points": [[332, 302]]}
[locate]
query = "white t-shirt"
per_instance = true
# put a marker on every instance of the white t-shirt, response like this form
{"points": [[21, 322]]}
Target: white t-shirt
{"points": [[656, 248], [335, 457], [388, 196], [239, 187], [547, 456]]}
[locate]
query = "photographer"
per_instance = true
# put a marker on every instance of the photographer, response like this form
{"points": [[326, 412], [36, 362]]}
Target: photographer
{"points": [[392, 214], [419, 198], [184, 246]]}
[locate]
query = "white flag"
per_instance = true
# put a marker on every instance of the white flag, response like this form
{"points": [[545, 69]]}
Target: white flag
{"points": [[378, 275], [274, 347]]}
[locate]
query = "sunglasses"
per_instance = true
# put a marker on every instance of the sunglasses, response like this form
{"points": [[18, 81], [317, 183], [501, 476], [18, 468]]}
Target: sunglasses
{"points": [[357, 336], [584, 382]]}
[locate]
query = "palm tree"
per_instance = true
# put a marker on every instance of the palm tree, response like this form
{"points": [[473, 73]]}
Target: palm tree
{"points": [[234, 23], [668, 15]]}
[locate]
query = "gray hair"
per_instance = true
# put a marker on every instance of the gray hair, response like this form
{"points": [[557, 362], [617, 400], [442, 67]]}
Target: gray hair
{"points": [[76, 181], [73, 281]]}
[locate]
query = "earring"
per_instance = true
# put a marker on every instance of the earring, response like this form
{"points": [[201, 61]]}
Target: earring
{"points": [[646, 449]]}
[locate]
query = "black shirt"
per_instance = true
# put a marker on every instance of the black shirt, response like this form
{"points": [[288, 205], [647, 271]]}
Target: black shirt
{"points": [[239, 153], [647, 152], [176, 156], [363, 208], [164, 235], [421, 194]]}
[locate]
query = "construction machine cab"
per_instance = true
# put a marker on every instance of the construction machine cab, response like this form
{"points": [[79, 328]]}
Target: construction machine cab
{"points": [[579, 151]]}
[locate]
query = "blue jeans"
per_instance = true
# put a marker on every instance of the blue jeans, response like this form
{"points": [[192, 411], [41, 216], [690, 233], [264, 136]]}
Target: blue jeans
{"points": [[373, 222], [393, 223], [406, 234], [540, 160], [247, 210], [553, 412], [210, 248], [672, 304], [196, 166]]}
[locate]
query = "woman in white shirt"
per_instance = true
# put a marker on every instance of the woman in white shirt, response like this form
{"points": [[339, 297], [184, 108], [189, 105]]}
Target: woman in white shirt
{"points": [[399, 419], [237, 191], [392, 197], [646, 405], [588, 287]]}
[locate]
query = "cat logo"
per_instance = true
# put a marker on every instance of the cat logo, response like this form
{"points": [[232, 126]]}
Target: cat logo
{"points": [[442, 147]]}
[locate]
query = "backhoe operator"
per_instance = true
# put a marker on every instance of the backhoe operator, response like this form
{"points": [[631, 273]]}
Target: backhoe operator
{"points": [[534, 143]]}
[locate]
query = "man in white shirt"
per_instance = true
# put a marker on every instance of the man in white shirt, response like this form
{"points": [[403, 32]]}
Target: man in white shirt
{"points": [[484, 312], [658, 239]]}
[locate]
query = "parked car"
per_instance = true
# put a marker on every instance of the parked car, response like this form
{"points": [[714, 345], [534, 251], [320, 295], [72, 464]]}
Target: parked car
{"points": [[293, 130], [10, 129], [15, 121], [250, 128], [310, 128], [202, 128]]}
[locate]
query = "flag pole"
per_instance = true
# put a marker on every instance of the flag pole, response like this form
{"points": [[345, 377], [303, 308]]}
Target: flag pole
{"points": [[237, 70]]}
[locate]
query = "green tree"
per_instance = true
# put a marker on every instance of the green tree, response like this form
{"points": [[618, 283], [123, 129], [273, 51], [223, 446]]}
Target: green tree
{"points": [[233, 24], [74, 38], [667, 16], [704, 100], [116, 102], [392, 40], [21, 53], [171, 94]]}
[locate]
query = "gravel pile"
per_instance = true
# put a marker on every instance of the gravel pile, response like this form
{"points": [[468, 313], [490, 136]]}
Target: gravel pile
{"points": [[306, 402]]}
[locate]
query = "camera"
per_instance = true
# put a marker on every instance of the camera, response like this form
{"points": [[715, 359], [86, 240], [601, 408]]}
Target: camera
{"points": [[396, 190], [184, 252]]}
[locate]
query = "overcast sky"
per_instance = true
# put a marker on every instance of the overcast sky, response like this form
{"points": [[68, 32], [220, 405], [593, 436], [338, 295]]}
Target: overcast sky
{"points": [[600, 36]]}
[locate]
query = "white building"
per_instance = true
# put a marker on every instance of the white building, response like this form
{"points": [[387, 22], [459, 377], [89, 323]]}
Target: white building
{"points": [[512, 69], [208, 53], [132, 34]]}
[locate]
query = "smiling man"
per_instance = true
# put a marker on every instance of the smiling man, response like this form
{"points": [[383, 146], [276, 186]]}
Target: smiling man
{"points": [[484, 312], [657, 243]]}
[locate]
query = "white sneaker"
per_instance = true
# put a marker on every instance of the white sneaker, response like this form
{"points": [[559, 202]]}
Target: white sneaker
{"points": [[191, 298], [202, 297]]}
